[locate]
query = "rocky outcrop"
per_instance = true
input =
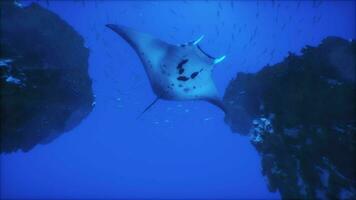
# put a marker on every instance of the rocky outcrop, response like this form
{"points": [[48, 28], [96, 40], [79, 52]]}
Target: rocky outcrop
{"points": [[45, 86], [301, 117]]}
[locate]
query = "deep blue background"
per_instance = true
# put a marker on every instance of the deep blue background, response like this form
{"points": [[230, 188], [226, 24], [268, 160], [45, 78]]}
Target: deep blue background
{"points": [[177, 149]]}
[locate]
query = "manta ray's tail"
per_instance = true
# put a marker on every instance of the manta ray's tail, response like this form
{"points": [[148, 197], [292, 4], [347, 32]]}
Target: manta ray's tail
{"points": [[216, 102], [148, 107]]}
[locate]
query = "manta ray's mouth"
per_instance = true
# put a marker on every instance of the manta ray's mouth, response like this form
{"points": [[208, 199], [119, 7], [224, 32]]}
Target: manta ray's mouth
{"points": [[205, 52]]}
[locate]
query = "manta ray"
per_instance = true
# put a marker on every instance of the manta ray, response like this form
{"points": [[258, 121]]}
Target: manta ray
{"points": [[175, 72]]}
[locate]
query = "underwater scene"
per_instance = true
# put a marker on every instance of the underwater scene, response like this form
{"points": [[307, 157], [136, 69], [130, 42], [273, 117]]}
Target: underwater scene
{"points": [[200, 99]]}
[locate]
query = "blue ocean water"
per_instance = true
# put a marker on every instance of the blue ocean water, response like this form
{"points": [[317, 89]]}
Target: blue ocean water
{"points": [[176, 149]]}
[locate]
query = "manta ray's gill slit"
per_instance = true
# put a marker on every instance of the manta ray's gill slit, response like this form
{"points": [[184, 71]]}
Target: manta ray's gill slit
{"points": [[181, 70], [181, 63], [194, 74], [182, 78]]}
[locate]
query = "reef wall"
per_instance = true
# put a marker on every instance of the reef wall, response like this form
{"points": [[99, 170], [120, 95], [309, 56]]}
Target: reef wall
{"points": [[44, 81], [301, 117]]}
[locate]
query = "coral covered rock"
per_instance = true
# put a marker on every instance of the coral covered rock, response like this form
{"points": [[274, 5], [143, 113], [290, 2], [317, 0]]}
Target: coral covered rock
{"points": [[45, 86], [301, 117]]}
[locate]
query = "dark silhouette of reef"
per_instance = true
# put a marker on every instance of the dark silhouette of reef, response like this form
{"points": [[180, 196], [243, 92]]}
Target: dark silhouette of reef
{"points": [[300, 116], [45, 86]]}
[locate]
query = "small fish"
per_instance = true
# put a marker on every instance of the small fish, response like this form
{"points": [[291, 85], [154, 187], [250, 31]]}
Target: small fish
{"points": [[283, 26], [18, 4], [173, 11], [208, 118]]}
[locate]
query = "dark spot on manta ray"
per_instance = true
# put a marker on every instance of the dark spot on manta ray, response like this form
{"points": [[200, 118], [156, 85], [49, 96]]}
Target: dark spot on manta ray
{"points": [[172, 84], [194, 87], [181, 70], [186, 89], [180, 85], [182, 78], [181, 63], [193, 75]]}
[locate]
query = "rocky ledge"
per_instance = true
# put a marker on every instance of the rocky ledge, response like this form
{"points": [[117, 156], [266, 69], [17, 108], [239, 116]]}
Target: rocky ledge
{"points": [[301, 117], [44, 81]]}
